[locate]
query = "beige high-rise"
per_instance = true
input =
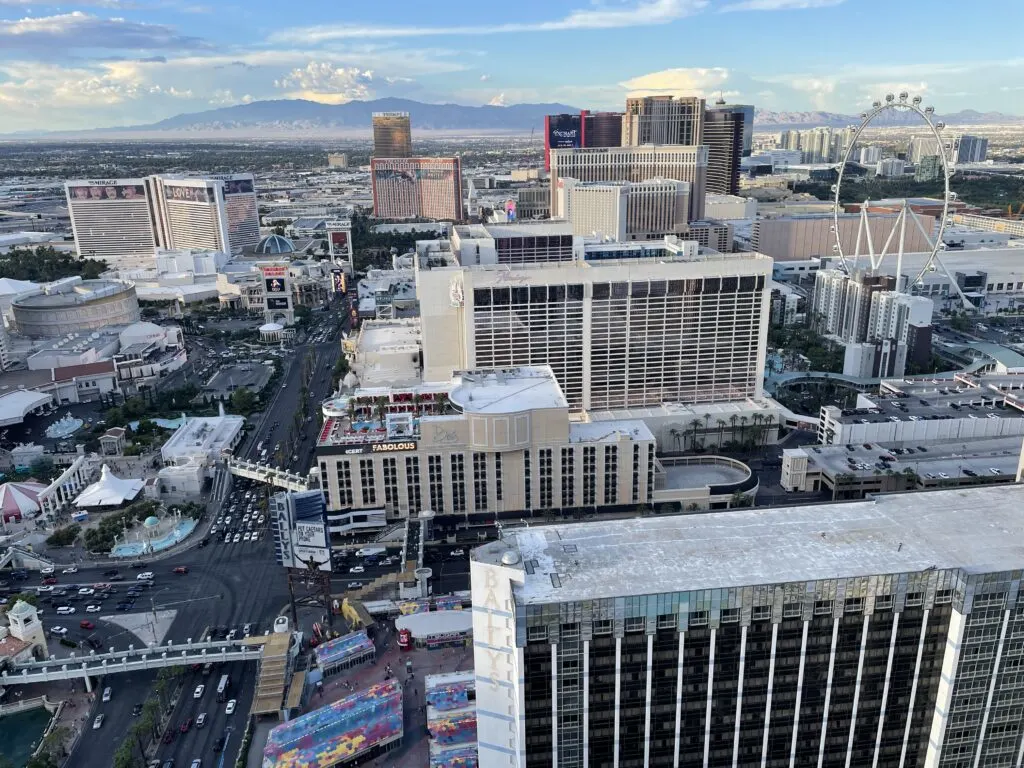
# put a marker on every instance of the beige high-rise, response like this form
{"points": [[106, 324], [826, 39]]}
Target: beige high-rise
{"points": [[663, 120], [392, 134]]}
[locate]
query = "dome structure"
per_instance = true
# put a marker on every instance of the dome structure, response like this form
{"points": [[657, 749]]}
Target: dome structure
{"points": [[271, 328], [275, 245], [151, 522]]}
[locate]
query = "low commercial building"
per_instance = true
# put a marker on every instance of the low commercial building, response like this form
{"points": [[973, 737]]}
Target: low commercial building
{"points": [[726, 207], [872, 632], [855, 470], [492, 444], [945, 413], [793, 238], [74, 305], [203, 440]]}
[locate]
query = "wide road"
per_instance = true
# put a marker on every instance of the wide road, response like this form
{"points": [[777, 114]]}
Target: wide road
{"points": [[228, 586]]}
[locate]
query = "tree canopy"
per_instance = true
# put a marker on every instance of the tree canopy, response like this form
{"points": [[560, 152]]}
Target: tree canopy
{"points": [[46, 264]]}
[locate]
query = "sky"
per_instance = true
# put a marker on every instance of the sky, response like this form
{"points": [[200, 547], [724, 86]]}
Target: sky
{"points": [[100, 63]]}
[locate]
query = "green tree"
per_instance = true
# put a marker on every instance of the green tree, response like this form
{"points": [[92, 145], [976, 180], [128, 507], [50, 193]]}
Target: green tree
{"points": [[42, 467], [46, 264], [243, 401], [64, 537]]}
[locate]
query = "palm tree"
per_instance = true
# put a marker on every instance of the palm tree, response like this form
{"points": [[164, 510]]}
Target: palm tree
{"points": [[707, 422], [721, 432], [380, 406], [768, 420], [693, 441], [743, 429], [676, 435], [732, 421]]}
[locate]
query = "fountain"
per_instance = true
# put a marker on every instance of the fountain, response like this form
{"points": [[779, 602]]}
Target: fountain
{"points": [[64, 427]]}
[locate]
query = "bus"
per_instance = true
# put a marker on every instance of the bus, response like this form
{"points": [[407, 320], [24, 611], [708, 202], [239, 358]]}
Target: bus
{"points": [[222, 687]]}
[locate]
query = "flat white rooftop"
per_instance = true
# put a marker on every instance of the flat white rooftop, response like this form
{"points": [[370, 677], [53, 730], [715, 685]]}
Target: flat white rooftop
{"points": [[608, 431], [979, 530], [510, 390]]}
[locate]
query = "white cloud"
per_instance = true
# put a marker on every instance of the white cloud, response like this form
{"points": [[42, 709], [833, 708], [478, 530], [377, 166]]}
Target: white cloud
{"points": [[636, 13], [484, 78], [327, 83], [693, 81], [778, 5], [498, 101], [58, 34]]}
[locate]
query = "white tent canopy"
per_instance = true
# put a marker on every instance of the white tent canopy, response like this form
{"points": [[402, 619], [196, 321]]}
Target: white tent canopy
{"points": [[108, 491]]}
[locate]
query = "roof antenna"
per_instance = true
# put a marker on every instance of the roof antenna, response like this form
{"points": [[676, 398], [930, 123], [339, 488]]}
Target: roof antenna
{"points": [[899, 547], [721, 99]]}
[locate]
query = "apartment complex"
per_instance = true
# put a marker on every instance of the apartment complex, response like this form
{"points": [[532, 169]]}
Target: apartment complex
{"points": [[723, 136], [618, 333], [633, 164], [392, 134], [125, 220], [491, 442], [663, 120], [623, 210], [880, 633], [417, 187]]}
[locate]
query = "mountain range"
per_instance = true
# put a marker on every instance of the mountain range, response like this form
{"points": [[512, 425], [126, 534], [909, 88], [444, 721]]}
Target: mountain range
{"points": [[289, 117]]}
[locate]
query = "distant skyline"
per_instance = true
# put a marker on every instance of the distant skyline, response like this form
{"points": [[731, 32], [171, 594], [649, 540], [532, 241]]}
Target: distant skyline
{"points": [[102, 63]]}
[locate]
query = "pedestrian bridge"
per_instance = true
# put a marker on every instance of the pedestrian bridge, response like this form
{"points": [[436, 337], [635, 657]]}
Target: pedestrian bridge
{"points": [[132, 660], [264, 473]]}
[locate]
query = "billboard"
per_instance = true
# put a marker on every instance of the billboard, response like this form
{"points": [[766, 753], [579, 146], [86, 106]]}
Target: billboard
{"points": [[188, 194], [274, 271], [565, 132], [275, 285], [339, 240], [108, 191], [510, 209], [338, 283], [277, 303], [238, 187]]}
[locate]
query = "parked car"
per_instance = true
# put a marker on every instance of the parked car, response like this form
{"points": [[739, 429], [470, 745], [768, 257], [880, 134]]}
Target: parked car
{"points": [[111, 572], [71, 569]]}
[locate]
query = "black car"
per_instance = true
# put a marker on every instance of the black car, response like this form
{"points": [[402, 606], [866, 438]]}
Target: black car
{"points": [[139, 564], [218, 745], [111, 572], [94, 642], [117, 577], [125, 606], [136, 710]]}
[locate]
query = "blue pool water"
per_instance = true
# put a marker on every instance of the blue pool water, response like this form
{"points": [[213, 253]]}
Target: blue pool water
{"points": [[20, 732], [165, 423], [136, 548]]}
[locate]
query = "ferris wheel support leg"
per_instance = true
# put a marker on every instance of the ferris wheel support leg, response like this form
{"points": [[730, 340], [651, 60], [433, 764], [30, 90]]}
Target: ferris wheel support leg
{"points": [[888, 241], [902, 245]]}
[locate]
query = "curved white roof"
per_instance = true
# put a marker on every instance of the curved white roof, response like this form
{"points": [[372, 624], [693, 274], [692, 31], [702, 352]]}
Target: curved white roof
{"points": [[108, 491], [271, 327], [436, 623], [141, 331], [15, 406]]}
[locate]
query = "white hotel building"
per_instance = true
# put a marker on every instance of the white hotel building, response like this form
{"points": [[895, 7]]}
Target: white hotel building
{"points": [[125, 221], [622, 211], [619, 334], [633, 164]]}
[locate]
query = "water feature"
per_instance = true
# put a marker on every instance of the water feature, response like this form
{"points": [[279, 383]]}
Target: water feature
{"points": [[20, 734], [165, 423], [64, 427], [169, 539]]}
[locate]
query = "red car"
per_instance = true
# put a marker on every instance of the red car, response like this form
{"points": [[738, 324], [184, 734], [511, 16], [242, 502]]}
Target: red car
{"points": [[86, 624], [50, 580], [169, 736], [185, 726], [181, 569]]}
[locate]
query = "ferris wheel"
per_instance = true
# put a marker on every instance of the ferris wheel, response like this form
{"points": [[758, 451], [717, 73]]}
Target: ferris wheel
{"points": [[894, 244]]}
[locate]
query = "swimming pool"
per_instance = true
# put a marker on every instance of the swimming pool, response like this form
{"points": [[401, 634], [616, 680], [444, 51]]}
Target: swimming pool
{"points": [[20, 732], [136, 548]]}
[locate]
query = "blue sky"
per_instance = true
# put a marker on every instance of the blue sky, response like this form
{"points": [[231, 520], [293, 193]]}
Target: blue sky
{"points": [[95, 63]]}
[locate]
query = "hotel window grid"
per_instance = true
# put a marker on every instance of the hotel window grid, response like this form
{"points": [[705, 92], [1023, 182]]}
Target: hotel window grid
{"points": [[345, 483], [589, 475], [528, 496], [435, 479], [367, 481], [568, 478], [532, 325], [650, 471], [497, 477], [544, 462], [636, 473], [390, 467], [479, 482], [412, 482], [611, 474], [690, 341], [533, 249], [458, 482]]}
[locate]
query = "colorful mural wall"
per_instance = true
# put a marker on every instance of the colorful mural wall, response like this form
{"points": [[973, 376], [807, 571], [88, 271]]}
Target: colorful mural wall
{"points": [[339, 731], [450, 696], [344, 648], [454, 728], [455, 757], [448, 603], [410, 607]]}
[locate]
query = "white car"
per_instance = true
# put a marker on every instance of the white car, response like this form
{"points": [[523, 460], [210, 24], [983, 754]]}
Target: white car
{"points": [[145, 576], [260, 521], [230, 708], [98, 722], [87, 591], [47, 571], [70, 569], [198, 693], [93, 608], [237, 538], [456, 553], [44, 588], [58, 631], [357, 569], [247, 536], [65, 610]]}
